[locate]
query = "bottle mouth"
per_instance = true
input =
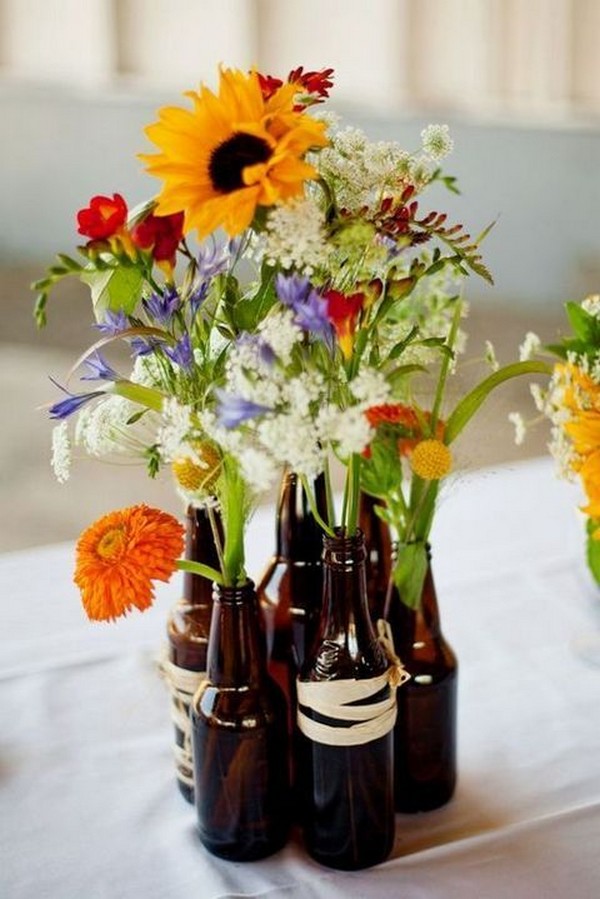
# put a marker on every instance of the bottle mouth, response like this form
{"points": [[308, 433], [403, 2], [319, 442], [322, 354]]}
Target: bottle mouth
{"points": [[343, 549], [234, 592]]}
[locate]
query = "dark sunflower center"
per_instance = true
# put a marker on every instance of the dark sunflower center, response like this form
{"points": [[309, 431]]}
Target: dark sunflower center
{"points": [[229, 159]]}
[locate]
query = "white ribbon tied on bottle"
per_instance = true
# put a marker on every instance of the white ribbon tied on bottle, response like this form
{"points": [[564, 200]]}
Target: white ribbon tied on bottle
{"points": [[338, 700], [182, 684]]}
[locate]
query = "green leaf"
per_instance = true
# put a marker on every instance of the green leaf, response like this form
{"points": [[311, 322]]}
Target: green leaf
{"points": [[398, 374], [409, 572], [593, 548], [469, 404], [114, 288], [583, 324], [401, 346]]}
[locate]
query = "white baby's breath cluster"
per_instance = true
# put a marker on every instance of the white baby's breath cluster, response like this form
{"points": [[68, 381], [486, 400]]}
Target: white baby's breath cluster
{"points": [[106, 428], [296, 237], [61, 452], [361, 171], [436, 141], [530, 346]]}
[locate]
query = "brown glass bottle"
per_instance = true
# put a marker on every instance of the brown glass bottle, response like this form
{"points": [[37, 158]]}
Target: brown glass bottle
{"points": [[290, 590], [379, 554], [239, 737], [347, 790], [188, 626], [425, 731]]}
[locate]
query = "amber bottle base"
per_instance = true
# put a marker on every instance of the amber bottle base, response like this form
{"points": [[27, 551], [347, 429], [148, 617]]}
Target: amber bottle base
{"points": [[250, 852], [410, 801]]}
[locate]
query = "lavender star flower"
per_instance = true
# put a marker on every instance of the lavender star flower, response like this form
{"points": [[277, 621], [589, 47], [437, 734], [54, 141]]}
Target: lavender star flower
{"points": [[212, 260], [233, 410], [197, 297], [292, 290], [99, 369], [310, 309], [142, 347], [181, 354], [162, 307], [114, 323], [73, 402]]}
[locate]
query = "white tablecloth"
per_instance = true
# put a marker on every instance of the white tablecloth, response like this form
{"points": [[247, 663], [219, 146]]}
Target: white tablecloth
{"points": [[88, 805]]}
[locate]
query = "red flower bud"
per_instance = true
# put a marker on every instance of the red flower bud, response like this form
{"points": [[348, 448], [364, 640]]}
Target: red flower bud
{"points": [[103, 217], [160, 234]]}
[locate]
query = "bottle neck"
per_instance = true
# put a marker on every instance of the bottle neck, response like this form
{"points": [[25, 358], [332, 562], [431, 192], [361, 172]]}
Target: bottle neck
{"points": [[345, 586], [298, 536], [235, 653], [200, 547]]}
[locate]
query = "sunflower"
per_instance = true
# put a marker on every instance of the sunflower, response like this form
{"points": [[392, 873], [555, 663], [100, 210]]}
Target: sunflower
{"points": [[231, 153], [119, 556]]}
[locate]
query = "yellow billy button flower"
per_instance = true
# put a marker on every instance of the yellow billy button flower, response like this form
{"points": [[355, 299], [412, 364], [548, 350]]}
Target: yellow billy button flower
{"points": [[431, 460], [198, 476]]}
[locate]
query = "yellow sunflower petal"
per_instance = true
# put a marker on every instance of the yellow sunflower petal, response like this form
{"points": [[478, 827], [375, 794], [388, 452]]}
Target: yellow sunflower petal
{"points": [[230, 153]]}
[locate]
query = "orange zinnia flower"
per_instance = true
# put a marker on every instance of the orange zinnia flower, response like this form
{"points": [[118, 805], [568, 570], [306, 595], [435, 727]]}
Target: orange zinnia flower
{"points": [[119, 556], [415, 423]]}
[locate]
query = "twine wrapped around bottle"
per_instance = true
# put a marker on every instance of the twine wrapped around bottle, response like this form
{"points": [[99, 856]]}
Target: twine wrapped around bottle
{"points": [[182, 684], [346, 700]]}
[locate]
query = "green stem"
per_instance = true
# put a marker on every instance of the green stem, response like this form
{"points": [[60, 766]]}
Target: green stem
{"points": [[216, 536], [234, 520], [354, 498], [445, 366], [329, 494], [203, 570], [313, 507]]}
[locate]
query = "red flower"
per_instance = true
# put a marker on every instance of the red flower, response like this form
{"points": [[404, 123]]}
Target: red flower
{"points": [[268, 85], [413, 425], [160, 234], [343, 312], [103, 218], [315, 83]]}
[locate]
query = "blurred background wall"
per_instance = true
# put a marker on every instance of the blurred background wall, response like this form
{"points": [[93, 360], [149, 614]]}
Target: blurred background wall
{"points": [[516, 80]]}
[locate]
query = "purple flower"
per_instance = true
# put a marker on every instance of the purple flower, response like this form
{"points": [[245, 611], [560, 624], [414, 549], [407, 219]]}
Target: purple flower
{"points": [[142, 347], [212, 260], [233, 410], [181, 354], [292, 290], [310, 309], [312, 316], [162, 306], [99, 369], [114, 323], [260, 346], [73, 403], [197, 297]]}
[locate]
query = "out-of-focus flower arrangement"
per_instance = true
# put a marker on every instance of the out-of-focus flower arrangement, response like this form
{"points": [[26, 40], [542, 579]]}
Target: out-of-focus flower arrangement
{"points": [[571, 401], [287, 301]]}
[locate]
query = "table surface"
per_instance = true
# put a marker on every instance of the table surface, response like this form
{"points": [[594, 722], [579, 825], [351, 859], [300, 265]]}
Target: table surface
{"points": [[88, 806]]}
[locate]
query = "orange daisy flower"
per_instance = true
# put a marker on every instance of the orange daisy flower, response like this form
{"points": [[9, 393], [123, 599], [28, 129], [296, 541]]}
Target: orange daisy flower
{"points": [[406, 417], [119, 556]]}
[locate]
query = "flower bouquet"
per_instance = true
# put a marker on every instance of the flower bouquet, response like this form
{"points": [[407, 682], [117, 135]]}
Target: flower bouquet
{"points": [[303, 329]]}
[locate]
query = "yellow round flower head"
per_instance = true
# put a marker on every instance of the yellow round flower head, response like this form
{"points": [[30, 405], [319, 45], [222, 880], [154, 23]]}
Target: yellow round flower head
{"points": [[431, 460], [234, 151], [198, 476]]}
